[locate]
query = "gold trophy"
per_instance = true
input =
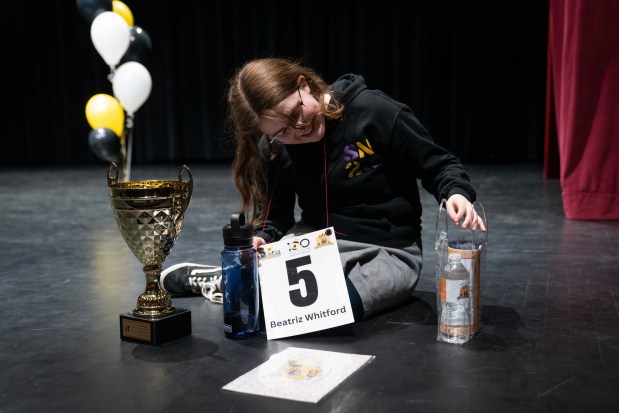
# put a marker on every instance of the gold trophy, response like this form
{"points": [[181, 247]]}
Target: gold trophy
{"points": [[149, 214]]}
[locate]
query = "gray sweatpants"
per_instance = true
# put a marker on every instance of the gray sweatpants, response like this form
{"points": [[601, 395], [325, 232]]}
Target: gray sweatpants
{"points": [[383, 276]]}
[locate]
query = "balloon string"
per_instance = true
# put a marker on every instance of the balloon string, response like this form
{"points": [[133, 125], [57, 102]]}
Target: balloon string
{"points": [[123, 152], [110, 77], [129, 132]]}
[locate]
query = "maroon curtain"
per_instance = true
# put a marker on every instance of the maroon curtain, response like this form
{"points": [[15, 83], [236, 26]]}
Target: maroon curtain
{"points": [[583, 54]]}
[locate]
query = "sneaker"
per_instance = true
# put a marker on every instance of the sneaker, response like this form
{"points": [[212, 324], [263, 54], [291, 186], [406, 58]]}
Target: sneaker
{"points": [[189, 279]]}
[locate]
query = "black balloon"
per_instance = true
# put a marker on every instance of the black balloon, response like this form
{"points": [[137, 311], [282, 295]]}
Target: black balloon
{"points": [[105, 144], [140, 46], [89, 9]]}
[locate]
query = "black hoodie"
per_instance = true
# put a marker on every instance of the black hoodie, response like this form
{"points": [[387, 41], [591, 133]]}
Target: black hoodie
{"points": [[374, 156]]}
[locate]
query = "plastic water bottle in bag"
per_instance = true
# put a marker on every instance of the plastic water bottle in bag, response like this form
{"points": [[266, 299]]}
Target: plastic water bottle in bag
{"points": [[471, 246], [455, 303]]}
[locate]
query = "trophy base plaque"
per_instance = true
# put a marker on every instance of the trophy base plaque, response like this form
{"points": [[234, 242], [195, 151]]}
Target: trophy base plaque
{"points": [[155, 331]]}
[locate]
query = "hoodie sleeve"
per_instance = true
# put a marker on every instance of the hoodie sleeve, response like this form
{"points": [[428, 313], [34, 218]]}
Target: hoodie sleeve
{"points": [[407, 146], [441, 172]]}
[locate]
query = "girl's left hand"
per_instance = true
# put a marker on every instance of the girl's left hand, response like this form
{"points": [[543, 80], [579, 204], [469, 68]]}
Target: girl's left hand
{"points": [[459, 207]]}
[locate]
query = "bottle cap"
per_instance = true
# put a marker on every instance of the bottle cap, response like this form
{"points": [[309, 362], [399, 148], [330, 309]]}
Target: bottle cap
{"points": [[237, 233]]}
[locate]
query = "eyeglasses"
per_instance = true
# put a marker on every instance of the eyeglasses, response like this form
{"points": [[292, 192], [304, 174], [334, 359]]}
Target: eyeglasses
{"points": [[293, 121]]}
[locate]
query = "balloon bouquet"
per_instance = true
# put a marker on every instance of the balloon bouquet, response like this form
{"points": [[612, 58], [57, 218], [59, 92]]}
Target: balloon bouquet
{"points": [[123, 46]]}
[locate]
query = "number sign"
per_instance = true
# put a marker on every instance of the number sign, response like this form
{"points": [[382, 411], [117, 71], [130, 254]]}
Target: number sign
{"points": [[303, 286]]}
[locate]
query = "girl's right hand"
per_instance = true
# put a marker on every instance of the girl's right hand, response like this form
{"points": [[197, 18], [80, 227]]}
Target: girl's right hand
{"points": [[257, 242]]}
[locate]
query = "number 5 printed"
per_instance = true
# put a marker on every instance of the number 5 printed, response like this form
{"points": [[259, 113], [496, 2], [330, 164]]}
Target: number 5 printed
{"points": [[295, 276]]}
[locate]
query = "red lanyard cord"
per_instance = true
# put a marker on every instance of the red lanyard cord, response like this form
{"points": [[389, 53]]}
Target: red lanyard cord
{"points": [[324, 158], [324, 154], [264, 224]]}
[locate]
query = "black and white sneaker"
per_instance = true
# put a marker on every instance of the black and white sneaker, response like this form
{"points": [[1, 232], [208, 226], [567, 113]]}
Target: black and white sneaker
{"points": [[189, 279]]}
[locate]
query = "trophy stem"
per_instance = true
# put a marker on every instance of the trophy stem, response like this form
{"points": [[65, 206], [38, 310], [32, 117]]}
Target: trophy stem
{"points": [[154, 301]]}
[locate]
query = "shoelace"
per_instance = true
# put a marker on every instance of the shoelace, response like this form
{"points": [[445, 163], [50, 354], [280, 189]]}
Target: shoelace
{"points": [[209, 286], [209, 291]]}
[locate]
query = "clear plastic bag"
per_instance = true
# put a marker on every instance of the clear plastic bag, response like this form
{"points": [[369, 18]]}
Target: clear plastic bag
{"points": [[472, 246]]}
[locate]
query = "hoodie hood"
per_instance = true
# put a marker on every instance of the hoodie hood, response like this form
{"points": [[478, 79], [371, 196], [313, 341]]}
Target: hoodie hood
{"points": [[347, 87]]}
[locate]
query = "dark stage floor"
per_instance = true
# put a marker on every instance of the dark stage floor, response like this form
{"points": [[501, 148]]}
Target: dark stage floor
{"points": [[549, 340]]}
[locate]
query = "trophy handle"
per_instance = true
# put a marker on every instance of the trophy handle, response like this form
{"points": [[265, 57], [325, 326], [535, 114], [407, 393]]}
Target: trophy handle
{"points": [[111, 180], [182, 169], [187, 187]]}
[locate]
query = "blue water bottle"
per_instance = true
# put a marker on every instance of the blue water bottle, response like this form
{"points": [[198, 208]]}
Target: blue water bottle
{"points": [[239, 265]]}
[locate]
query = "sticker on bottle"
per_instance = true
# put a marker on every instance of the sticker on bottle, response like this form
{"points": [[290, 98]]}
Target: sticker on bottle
{"points": [[453, 290]]}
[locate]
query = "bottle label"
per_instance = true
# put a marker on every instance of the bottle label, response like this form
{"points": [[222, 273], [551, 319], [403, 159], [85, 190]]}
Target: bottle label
{"points": [[451, 291], [471, 259]]}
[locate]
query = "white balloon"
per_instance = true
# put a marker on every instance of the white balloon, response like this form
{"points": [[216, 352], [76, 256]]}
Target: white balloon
{"points": [[110, 36], [132, 84]]}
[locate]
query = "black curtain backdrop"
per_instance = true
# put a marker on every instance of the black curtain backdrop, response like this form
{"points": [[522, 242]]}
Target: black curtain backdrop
{"points": [[474, 72]]}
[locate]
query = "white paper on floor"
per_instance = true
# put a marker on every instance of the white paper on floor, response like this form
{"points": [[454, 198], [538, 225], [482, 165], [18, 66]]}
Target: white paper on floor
{"points": [[300, 374]]}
